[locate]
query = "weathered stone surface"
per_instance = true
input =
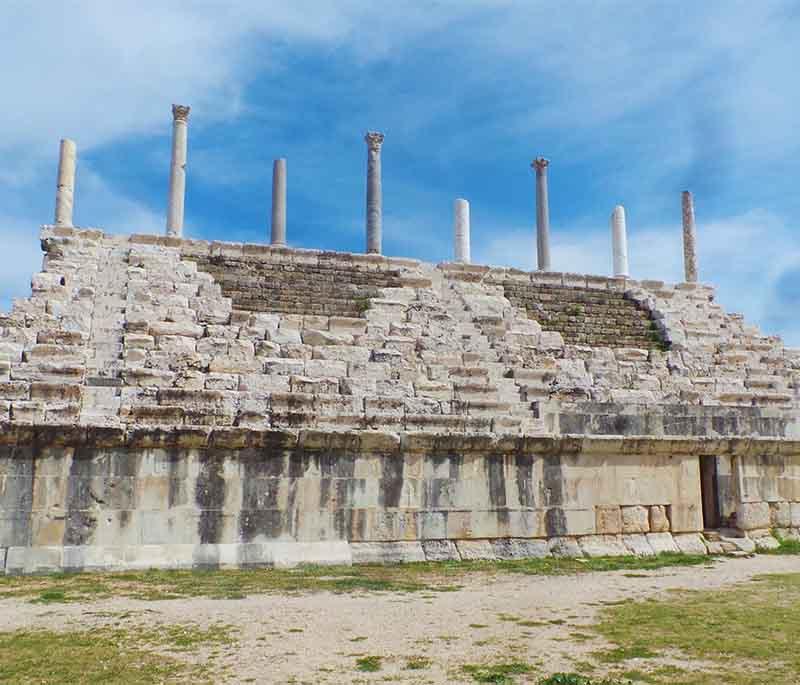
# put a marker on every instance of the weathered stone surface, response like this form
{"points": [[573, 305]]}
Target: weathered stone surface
{"points": [[440, 550], [753, 515], [690, 543], [659, 520], [470, 550], [608, 520], [602, 546], [662, 542], [635, 520], [638, 545], [387, 552]]}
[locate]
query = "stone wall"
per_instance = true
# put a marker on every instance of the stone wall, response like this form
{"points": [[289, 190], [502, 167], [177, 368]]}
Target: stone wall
{"points": [[110, 498], [425, 382]]}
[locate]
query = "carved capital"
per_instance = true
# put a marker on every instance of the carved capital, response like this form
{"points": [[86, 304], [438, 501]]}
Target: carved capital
{"points": [[374, 140], [180, 112], [540, 164]]}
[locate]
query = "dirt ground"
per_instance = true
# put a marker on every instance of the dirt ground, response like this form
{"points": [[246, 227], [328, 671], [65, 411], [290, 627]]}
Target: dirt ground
{"points": [[317, 638]]}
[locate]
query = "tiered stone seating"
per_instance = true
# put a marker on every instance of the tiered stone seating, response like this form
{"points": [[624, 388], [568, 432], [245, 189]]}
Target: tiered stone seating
{"points": [[288, 288], [597, 318]]}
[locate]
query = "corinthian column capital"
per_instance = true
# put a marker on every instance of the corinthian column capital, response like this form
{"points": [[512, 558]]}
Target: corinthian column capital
{"points": [[540, 164], [180, 112], [374, 140]]}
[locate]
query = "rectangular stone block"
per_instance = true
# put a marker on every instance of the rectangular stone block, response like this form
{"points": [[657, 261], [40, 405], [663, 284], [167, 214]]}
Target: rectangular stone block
{"points": [[386, 552], [635, 519], [472, 550]]}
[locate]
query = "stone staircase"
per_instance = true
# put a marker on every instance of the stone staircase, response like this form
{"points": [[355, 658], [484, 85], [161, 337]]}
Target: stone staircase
{"points": [[331, 289], [597, 318]]}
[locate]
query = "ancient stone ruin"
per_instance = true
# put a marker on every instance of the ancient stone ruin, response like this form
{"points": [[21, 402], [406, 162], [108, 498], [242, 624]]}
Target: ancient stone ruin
{"points": [[167, 402]]}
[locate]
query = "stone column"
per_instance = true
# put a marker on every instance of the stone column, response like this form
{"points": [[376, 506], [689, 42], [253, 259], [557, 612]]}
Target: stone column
{"points": [[374, 192], [279, 202], [65, 184], [689, 238], [619, 242], [461, 229], [177, 171], [542, 214]]}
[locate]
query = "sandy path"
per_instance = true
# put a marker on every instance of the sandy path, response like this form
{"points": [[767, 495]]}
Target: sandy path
{"points": [[316, 638]]}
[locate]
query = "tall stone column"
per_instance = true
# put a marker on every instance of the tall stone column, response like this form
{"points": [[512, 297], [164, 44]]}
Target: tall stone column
{"points": [[374, 193], [461, 230], [619, 241], [65, 183], [279, 202], [177, 171], [542, 214], [689, 238]]}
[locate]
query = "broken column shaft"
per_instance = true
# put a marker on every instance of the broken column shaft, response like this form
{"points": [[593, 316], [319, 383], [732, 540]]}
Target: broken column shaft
{"points": [[619, 242], [177, 171], [461, 230], [278, 202], [689, 238], [542, 214], [65, 183], [374, 192]]}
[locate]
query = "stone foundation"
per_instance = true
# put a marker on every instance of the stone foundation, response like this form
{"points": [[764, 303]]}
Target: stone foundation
{"points": [[85, 499]]}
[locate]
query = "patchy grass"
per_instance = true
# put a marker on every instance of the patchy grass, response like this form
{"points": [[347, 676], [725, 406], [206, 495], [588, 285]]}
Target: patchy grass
{"points": [[786, 546], [129, 656], [238, 584], [575, 679], [418, 663], [369, 664], [743, 636], [497, 674]]}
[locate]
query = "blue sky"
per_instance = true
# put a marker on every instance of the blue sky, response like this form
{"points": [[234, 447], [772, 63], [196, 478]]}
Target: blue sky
{"points": [[631, 101]]}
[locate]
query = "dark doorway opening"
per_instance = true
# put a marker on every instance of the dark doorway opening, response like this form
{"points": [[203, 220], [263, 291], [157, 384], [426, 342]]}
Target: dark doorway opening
{"points": [[710, 492]]}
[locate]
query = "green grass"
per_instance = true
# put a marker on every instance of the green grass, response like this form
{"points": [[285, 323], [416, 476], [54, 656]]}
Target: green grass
{"points": [[129, 656], [418, 663], [747, 634], [237, 584], [369, 664], [786, 546], [497, 674], [575, 679]]}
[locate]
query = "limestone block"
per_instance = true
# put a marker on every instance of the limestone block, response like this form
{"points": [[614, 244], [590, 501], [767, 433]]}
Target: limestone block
{"points": [[324, 367], [266, 348], [659, 520], [520, 548], [608, 520], [183, 328], [345, 353], [386, 552], [745, 545], [753, 515], [22, 411], [780, 514], [433, 390], [635, 520], [637, 544], [228, 364], [221, 381], [176, 344], [602, 546], [471, 550], [15, 390], [564, 547], [285, 336], [347, 325], [319, 338], [316, 386], [662, 542], [148, 377], [766, 543], [631, 354], [60, 353], [440, 550], [795, 514], [139, 341], [690, 543]]}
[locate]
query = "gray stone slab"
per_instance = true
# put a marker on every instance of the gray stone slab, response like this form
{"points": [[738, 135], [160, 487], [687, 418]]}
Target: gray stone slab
{"points": [[564, 547], [386, 552], [603, 546], [520, 548], [690, 543], [440, 550], [662, 542], [637, 544], [475, 549], [766, 543]]}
